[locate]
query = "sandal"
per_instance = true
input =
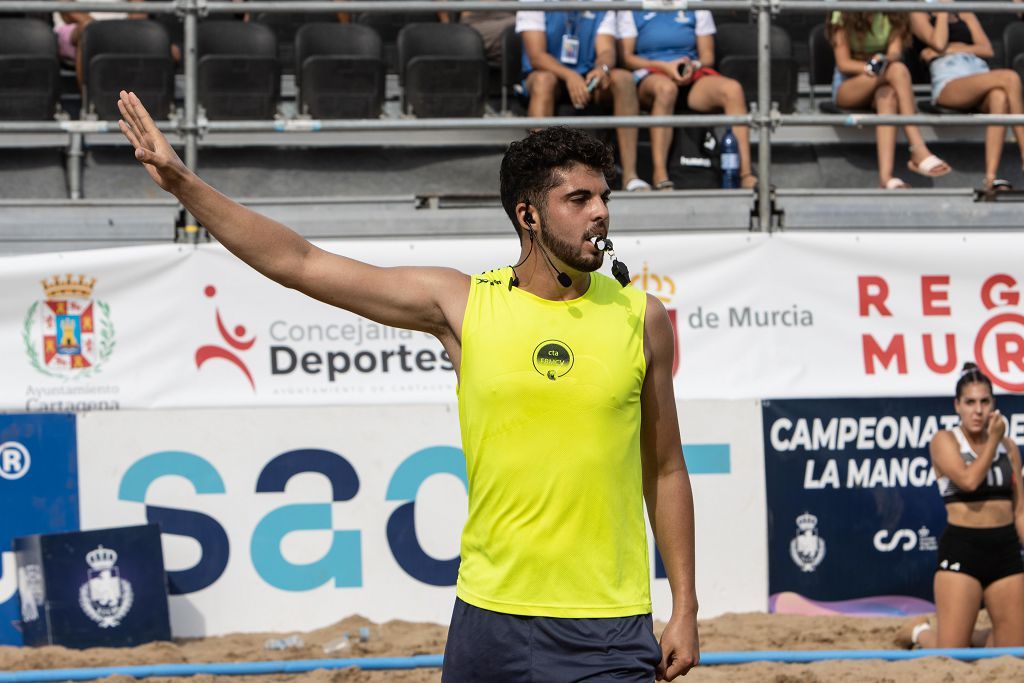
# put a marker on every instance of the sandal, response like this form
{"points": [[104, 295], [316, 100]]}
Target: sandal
{"points": [[637, 185], [997, 185], [930, 167], [665, 185], [895, 183]]}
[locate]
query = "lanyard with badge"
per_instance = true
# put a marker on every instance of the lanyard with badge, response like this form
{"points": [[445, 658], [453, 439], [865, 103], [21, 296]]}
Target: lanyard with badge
{"points": [[570, 42]]}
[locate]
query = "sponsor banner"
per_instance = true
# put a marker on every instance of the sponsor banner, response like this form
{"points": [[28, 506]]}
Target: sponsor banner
{"points": [[853, 508], [790, 315], [38, 494], [314, 514]]}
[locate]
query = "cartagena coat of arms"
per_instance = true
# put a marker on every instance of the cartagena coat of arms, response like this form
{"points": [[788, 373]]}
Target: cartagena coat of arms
{"points": [[68, 334]]}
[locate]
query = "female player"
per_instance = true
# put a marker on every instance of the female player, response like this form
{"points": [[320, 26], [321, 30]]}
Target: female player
{"points": [[978, 471]]}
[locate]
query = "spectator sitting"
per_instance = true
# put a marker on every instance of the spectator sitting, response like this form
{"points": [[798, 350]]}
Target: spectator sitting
{"points": [[868, 48], [572, 54], [954, 46], [490, 26], [673, 52], [69, 26]]}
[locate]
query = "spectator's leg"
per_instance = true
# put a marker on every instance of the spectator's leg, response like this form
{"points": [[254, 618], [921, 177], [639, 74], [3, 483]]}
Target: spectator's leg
{"points": [[624, 103], [543, 88], [969, 92], [718, 92], [857, 92], [1010, 83], [897, 75], [885, 102], [658, 94], [996, 102]]}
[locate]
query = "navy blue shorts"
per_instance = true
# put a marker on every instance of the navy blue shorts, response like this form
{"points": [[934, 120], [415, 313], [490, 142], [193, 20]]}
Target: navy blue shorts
{"points": [[491, 646]]}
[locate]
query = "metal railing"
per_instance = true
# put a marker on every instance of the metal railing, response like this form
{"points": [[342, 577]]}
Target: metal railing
{"points": [[764, 117]]}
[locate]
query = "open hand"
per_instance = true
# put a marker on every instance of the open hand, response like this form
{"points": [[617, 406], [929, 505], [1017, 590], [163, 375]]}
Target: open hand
{"points": [[151, 147]]}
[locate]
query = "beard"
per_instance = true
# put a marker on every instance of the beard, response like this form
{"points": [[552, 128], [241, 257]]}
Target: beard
{"points": [[571, 253]]}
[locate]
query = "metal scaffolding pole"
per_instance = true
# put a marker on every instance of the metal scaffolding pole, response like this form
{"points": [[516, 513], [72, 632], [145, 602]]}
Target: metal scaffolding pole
{"points": [[764, 113], [191, 118]]}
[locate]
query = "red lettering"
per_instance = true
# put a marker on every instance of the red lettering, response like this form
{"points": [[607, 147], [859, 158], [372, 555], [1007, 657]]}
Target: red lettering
{"points": [[1010, 349], [929, 355], [873, 291], [1004, 297], [931, 295], [873, 351]]}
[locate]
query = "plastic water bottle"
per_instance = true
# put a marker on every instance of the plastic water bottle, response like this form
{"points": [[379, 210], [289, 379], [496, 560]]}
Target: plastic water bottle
{"points": [[289, 643], [730, 160]]}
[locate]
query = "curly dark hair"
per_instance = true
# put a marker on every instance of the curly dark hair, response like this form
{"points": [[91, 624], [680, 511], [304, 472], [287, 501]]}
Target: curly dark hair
{"points": [[529, 165]]}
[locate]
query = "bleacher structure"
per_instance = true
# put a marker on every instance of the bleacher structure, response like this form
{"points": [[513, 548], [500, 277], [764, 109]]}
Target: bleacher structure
{"points": [[344, 129]]}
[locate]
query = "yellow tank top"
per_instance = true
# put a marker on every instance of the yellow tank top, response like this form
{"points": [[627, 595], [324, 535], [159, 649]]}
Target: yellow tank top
{"points": [[549, 406]]}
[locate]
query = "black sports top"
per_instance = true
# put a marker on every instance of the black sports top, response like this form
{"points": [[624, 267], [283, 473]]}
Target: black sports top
{"points": [[998, 482], [958, 30]]}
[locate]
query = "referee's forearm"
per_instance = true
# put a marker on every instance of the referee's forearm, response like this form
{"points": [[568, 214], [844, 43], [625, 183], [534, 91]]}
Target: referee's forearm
{"points": [[671, 513]]}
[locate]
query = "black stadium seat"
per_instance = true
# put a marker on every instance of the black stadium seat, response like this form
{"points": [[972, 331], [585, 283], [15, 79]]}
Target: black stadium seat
{"points": [[339, 71], [239, 75], [442, 69], [29, 70], [388, 24], [1013, 42], [285, 25], [736, 57], [126, 54], [511, 64]]}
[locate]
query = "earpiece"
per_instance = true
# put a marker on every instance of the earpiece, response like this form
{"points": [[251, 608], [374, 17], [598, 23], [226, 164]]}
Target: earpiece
{"points": [[562, 278]]}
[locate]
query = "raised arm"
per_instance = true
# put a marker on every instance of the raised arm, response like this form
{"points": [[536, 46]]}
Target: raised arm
{"points": [[947, 461], [935, 37], [426, 299], [667, 493]]}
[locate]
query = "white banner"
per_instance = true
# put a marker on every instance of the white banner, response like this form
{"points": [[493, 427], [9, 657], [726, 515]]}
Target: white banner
{"points": [[291, 519], [790, 315]]}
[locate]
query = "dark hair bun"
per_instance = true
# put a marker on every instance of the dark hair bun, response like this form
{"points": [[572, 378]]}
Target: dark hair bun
{"points": [[968, 367]]}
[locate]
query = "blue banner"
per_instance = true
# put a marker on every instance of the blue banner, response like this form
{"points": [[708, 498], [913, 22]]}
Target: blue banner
{"points": [[853, 509], [38, 494]]}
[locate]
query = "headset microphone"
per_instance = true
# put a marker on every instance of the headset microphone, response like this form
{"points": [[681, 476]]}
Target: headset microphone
{"points": [[619, 270], [562, 278]]}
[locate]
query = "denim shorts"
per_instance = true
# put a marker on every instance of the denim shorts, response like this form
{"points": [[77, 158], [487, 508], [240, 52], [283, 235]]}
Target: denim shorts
{"points": [[950, 67], [838, 77]]}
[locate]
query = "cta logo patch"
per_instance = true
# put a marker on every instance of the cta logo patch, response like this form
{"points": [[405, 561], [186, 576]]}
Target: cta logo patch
{"points": [[552, 358]]}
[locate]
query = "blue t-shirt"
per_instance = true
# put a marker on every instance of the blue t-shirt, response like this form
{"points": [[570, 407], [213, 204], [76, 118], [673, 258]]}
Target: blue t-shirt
{"points": [[582, 25], [665, 36]]}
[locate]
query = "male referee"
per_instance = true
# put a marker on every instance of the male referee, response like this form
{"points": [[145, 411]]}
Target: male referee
{"points": [[566, 408]]}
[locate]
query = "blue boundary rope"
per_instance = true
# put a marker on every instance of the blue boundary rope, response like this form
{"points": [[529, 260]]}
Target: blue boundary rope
{"points": [[434, 661]]}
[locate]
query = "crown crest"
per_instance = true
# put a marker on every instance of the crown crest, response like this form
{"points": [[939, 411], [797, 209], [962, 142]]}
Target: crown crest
{"points": [[68, 285], [806, 522], [101, 558]]}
